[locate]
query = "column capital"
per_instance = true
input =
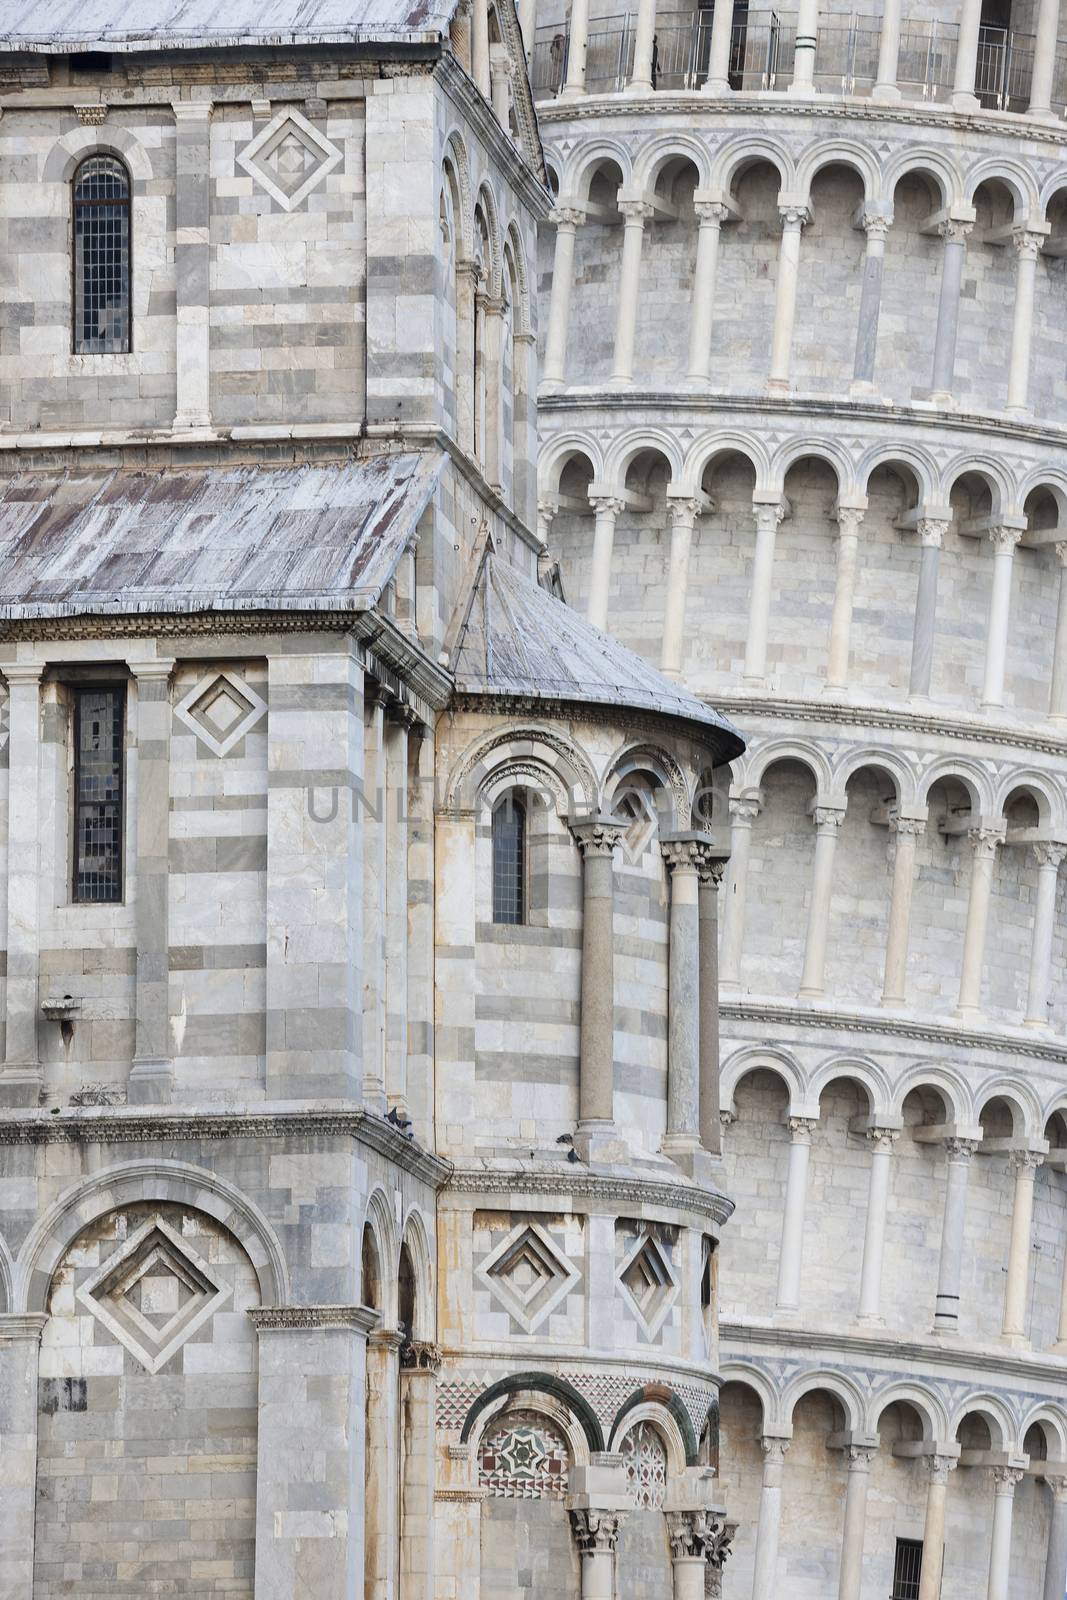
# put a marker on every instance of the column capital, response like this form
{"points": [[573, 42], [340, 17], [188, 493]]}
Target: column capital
{"points": [[191, 110], [768, 515], [1028, 242], [882, 1139], [827, 818], [160, 669], [546, 510], [955, 230], [849, 520], [773, 1446], [566, 216], [597, 836], [1050, 853], [940, 1467], [915, 826], [1058, 1485], [711, 212], [984, 841], [1020, 1161], [685, 509], [801, 1128], [685, 855], [596, 1532], [794, 216], [1004, 540], [607, 503], [22, 671], [1061, 552], [634, 211], [1005, 1480], [711, 866], [420, 1355], [695, 1534], [875, 224], [931, 531], [860, 1456], [745, 809], [959, 1150]]}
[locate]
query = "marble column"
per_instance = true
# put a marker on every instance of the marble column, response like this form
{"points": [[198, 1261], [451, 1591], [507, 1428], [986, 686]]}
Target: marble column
{"points": [[1057, 694], [375, 881], [1049, 860], [881, 1141], [955, 235], [695, 1539], [1041, 77], [1056, 1555], [635, 213], [803, 81], [1023, 1164], [546, 510], [931, 531], [644, 34], [722, 28], [22, 1078], [934, 1526], [500, 77], [399, 722], [577, 44], [480, 46], [597, 839], [1027, 242], [885, 89], [907, 832], [682, 1136], [1004, 541], [606, 509], [743, 813], [192, 222], [793, 218], [1005, 1480], [984, 842], [20, 1343], [568, 219], [420, 1363], [876, 228], [152, 1071], [850, 1579], [467, 276], [963, 95], [765, 1584], [849, 521], [710, 217], [596, 1533], [958, 1156], [796, 1193], [768, 515], [827, 820], [381, 1511], [683, 514], [493, 421], [711, 875]]}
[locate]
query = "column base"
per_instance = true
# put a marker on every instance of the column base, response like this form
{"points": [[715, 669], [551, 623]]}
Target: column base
{"points": [[806, 993], [716, 86], [1042, 114], [572, 93], [886, 94], [946, 1332], [151, 1083], [1016, 1341], [778, 386], [967, 1014], [803, 91], [615, 382], [869, 1325], [786, 1317], [893, 1001], [697, 1164], [1019, 413], [551, 386], [599, 1144], [20, 1086], [639, 86], [966, 102], [185, 420]]}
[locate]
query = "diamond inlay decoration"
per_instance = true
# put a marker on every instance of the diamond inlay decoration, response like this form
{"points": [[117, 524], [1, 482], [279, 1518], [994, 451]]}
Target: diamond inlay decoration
{"points": [[289, 158], [650, 1283], [528, 1274], [153, 1293], [221, 709]]}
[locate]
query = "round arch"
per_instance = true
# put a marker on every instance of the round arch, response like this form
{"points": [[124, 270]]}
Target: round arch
{"points": [[635, 442], [570, 766], [993, 1412], [415, 1238], [68, 152], [912, 456], [925, 162], [948, 1083], [804, 752], [540, 1382], [661, 151], [827, 451], [860, 1069], [1013, 175], [705, 450], [668, 1416], [748, 1376], [1024, 1103], [852, 761], [924, 1402], [970, 774], [839, 153], [736, 156], [379, 1219], [839, 1384], [765, 1058], [653, 759]]}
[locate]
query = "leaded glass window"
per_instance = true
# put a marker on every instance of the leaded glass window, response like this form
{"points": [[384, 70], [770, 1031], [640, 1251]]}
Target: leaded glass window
{"points": [[101, 257], [509, 860], [98, 720]]}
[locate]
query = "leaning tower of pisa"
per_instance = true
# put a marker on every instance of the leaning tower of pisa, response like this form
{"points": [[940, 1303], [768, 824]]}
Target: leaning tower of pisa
{"points": [[804, 446]]}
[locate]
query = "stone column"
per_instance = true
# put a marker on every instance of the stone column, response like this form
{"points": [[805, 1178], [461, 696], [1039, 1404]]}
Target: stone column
{"points": [[1004, 1482], [876, 227], [1049, 860], [22, 1079], [828, 820], [20, 1344], [695, 1538], [597, 839], [644, 34], [963, 95], [768, 515], [420, 1363], [722, 28], [152, 1071], [859, 1472], [1047, 37], [310, 1471], [881, 1141], [374, 812], [596, 1533], [765, 1574], [955, 235], [710, 216], [381, 1512], [958, 1156], [934, 1526], [984, 842], [849, 519], [793, 218], [1027, 242], [1056, 1557], [192, 221], [1024, 1164], [885, 88], [931, 532], [803, 82], [634, 214], [743, 813], [568, 219], [796, 1193], [682, 1136], [711, 875], [683, 517], [606, 508], [577, 44], [1057, 695], [546, 510], [1003, 541], [908, 831], [500, 77], [480, 46], [492, 423]]}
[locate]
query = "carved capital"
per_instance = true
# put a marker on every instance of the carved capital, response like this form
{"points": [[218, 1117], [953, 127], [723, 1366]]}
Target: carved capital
{"points": [[607, 504], [1061, 552], [597, 837], [793, 216], [931, 531], [954, 232], [1006, 1479], [1024, 1161], [913, 826], [1058, 1486], [875, 226], [711, 867], [567, 216], [960, 1150], [290, 1319], [635, 211], [546, 510], [420, 1355], [1027, 244], [827, 818], [940, 1467], [849, 521], [694, 1534], [711, 212], [684, 511], [768, 516], [91, 116], [984, 842], [681, 854], [801, 1129], [860, 1456], [882, 1138], [1004, 540], [596, 1532], [745, 810], [774, 1449], [1050, 855]]}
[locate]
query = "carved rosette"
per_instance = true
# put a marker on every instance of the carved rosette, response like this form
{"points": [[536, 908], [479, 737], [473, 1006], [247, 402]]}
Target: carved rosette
{"points": [[596, 1533]]}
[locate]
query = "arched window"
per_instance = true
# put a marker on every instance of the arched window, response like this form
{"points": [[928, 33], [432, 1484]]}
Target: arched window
{"points": [[509, 860], [101, 257]]}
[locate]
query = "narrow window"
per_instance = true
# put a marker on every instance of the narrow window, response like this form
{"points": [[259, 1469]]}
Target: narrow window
{"points": [[101, 257], [98, 719], [907, 1567], [509, 860]]}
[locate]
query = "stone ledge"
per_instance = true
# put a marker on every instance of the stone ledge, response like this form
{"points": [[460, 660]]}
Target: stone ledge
{"points": [[604, 1188]]}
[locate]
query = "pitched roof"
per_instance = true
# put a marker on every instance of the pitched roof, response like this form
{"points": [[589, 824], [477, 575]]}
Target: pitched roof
{"points": [[115, 25], [518, 641], [237, 538]]}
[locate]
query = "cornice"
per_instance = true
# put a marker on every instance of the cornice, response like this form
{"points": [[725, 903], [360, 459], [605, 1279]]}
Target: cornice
{"points": [[891, 1025], [604, 1189], [290, 1319], [912, 1353], [518, 170], [575, 1362], [595, 712], [141, 1125]]}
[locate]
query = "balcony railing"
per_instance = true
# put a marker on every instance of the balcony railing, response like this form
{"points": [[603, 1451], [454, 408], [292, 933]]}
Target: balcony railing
{"points": [[761, 57]]}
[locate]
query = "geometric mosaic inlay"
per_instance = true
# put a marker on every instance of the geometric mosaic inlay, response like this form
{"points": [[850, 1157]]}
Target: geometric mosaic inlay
{"points": [[646, 1466], [649, 1280], [528, 1274], [220, 710], [523, 1458], [289, 158]]}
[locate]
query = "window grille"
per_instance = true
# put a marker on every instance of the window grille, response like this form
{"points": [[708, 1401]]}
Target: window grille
{"points": [[509, 860], [98, 751], [907, 1569], [101, 257]]}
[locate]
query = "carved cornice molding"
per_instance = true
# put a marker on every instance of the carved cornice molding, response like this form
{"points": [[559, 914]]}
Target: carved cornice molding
{"points": [[606, 1191], [298, 1319]]}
